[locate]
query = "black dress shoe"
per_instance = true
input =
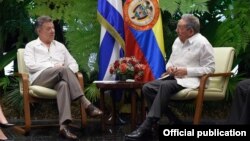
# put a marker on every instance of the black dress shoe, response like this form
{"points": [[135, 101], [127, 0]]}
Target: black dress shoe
{"points": [[93, 111], [6, 125], [67, 134], [139, 134]]}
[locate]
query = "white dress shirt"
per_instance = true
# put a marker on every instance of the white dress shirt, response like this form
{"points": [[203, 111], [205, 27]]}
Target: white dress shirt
{"points": [[197, 55], [38, 57]]}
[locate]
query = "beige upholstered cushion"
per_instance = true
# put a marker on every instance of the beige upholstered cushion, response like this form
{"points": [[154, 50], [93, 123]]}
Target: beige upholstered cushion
{"points": [[42, 92]]}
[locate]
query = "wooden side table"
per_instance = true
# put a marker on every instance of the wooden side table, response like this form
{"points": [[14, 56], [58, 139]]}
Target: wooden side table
{"points": [[132, 87]]}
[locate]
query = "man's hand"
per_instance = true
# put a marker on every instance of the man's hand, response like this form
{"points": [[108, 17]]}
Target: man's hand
{"points": [[177, 71], [171, 70], [180, 72]]}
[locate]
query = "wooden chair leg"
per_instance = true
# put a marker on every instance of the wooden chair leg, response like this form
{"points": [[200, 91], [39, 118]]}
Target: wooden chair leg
{"points": [[83, 116], [198, 112], [27, 118], [24, 130]]}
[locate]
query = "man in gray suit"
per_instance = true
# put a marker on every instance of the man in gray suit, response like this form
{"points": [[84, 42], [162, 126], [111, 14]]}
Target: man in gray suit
{"points": [[51, 65], [192, 56]]}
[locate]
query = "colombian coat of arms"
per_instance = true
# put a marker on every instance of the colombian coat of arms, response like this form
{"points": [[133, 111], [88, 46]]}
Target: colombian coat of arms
{"points": [[141, 14]]}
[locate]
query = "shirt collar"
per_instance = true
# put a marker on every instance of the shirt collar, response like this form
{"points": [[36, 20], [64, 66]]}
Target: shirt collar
{"points": [[192, 38], [41, 43]]}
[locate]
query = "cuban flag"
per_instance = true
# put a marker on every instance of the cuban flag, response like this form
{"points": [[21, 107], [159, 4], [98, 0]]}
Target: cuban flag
{"points": [[144, 36], [110, 16]]}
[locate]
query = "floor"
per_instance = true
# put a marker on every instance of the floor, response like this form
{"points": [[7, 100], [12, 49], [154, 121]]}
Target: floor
{"points": [[93, 132]]}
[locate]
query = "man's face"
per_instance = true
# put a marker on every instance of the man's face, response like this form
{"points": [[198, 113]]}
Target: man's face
{"points": [[183, 32], [47, 32]]}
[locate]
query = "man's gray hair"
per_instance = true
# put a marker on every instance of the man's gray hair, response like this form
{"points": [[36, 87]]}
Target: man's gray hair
{"points": [[41, 20], [192, 22]]}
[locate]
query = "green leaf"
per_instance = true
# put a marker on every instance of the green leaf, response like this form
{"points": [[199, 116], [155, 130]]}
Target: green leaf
{"points": [[184, 6], [92, 92]]}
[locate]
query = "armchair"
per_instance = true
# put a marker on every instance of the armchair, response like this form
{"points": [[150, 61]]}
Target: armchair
{"points": [[34, 93], [217, 85]]}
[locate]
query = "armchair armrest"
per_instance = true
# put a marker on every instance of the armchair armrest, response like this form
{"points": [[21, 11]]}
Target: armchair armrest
{"points": [[204, 79], [25, 83], [201, 89], [80, 79]]}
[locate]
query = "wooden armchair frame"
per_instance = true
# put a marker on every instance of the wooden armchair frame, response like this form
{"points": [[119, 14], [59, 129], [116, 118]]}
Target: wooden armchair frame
{"points": [[200, 96]]}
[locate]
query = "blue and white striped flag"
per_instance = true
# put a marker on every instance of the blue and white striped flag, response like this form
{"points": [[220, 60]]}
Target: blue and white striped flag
{"points": [[110, 16]]}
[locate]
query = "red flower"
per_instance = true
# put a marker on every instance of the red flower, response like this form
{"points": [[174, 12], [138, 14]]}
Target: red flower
{"points": [[112, 70], [123, 67], [116, 64]]}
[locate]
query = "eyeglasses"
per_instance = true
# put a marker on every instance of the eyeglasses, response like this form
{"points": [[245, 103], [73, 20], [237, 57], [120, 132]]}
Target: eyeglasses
{"points": [[184, 26]]}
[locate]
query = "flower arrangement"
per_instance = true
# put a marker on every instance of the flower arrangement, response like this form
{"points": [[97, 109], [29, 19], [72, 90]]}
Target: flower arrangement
{"points": [[129, 67]]}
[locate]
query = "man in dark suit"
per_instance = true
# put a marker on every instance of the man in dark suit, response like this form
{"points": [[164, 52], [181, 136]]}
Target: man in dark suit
{"points": [[240, 110]]}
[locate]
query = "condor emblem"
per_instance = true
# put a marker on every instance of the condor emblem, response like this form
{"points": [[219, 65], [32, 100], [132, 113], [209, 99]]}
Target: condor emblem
{"points": [[141, 14]]}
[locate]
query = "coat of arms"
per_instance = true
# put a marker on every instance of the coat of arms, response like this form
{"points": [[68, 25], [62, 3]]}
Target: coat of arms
{"points": [[141, 14]]}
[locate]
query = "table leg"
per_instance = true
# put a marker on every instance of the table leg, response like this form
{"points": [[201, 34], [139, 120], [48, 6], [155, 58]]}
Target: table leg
{"points": [[113, 108], [102, 108], [133, 109], [143, 113]]}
